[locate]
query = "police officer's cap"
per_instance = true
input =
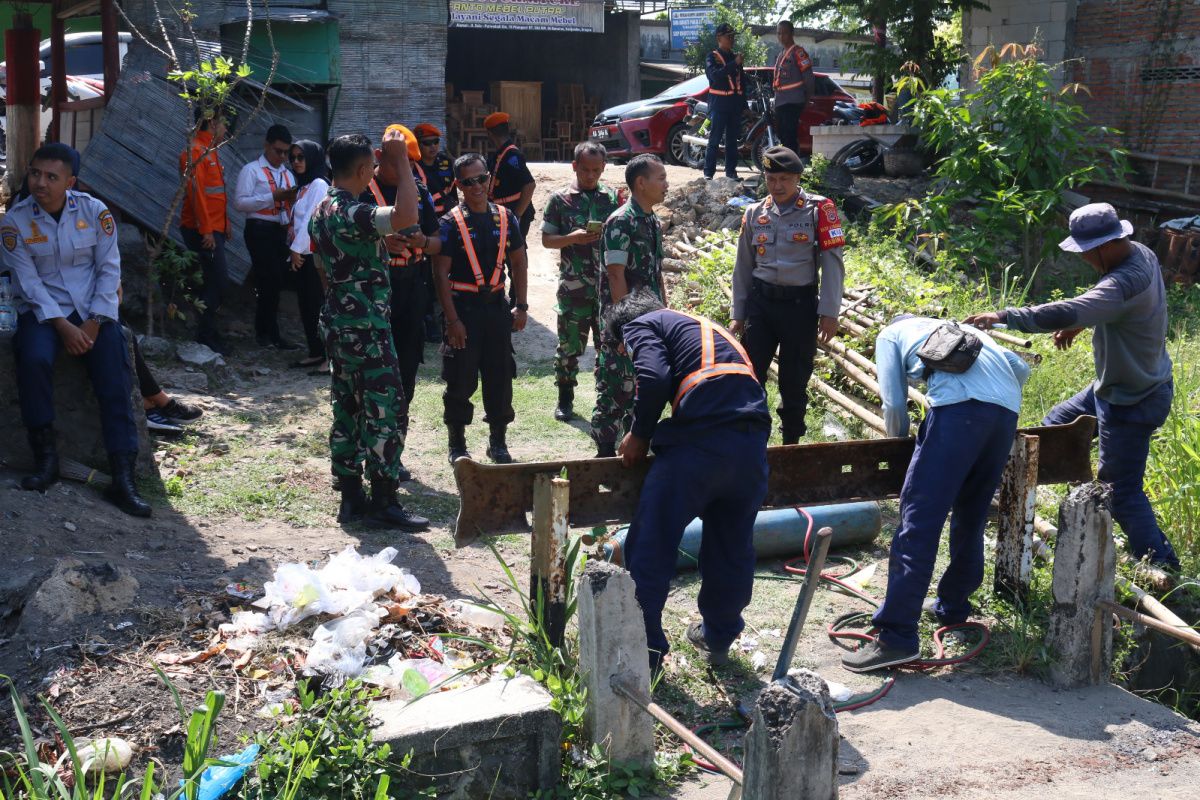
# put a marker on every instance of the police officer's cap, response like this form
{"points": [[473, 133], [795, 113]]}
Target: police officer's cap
{"points": [[782, 159], [725, 29]]}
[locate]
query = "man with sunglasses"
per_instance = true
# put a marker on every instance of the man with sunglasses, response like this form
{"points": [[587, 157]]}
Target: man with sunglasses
{"points": [[265, 192], [435, 169], [479, 239]]}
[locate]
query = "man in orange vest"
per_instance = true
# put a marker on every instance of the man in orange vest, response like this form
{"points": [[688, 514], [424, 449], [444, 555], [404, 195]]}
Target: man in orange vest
{"points": [[479, 240], [265, 192], [203, 221], [512, 183], [794, 86], [710, 461], [726, 102]]}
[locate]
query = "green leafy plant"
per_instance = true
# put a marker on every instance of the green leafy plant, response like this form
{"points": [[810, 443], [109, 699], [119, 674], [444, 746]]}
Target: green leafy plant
{"points": [[323, 751], [1008, 151], [175, 272]]}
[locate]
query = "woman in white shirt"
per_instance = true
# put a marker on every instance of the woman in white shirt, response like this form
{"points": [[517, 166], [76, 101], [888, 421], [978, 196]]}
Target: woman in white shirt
{"points": [[308, 163]]}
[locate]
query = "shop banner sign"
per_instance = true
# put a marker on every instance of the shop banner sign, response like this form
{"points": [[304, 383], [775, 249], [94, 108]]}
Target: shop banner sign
{"points": [[583, 16]]}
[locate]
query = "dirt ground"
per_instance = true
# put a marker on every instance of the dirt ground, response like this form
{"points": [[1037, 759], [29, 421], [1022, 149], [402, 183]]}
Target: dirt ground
{"points": [[248, 490]]}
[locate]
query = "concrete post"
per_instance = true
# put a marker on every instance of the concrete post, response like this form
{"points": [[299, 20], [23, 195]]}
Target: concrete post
{"points": [[548, 548], [792, 745], [1014, 537], [1084, 564], [612, 641], [23, 97]]}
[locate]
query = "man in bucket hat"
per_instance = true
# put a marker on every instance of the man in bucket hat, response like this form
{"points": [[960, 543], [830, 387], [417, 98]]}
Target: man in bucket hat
{"points": [[1131, 396]]}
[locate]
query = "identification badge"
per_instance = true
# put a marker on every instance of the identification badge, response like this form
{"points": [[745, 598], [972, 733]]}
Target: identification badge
{"points": [[799, 237], [762, 251], [81, 225], [762, 237], [35, 234]]}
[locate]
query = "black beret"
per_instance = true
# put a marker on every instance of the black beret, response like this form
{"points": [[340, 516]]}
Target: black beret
{"points": [[782, 159], [724, 29]]}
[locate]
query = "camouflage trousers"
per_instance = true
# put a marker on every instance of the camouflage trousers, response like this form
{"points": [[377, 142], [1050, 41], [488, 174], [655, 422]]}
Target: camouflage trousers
{"points": [[614, 396], [368, 404], [577, 317]]}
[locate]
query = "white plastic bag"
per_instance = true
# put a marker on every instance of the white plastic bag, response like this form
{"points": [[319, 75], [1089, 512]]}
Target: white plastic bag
{"points": [[105, 755], [478, 616], [295, 593], [340, 645]]}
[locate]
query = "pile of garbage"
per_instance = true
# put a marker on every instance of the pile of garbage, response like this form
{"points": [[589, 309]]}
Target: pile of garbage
{"points": [[379, 626]]}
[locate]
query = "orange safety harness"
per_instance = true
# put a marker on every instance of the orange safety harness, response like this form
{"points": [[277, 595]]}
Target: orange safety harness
{"points": [[497, 280], [495, 178], [437, 196], [709, 368], [394, 260], [281, 206], [735, 82], [801, 64]]}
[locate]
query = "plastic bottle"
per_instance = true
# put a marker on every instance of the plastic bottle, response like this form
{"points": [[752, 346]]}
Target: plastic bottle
{"points": [[8, 310]]}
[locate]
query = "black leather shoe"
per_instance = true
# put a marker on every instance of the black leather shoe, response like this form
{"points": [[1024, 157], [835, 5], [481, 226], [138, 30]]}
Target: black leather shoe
{"points": [[458, 442], [497, 449], [123, 493], [354, 499], [565, 411], [45, 457], [385, 511], [606, 450]]}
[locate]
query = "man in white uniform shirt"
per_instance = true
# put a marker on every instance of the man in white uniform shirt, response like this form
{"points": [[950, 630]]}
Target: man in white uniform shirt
{"points": [[265, 192]]}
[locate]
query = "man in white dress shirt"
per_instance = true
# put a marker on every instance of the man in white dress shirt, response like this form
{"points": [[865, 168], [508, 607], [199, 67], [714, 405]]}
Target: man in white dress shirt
{"points": [[265, 192]]}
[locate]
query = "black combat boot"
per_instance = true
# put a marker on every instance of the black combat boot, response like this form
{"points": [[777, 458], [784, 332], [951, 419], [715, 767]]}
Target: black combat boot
{"points": [[403, 475], [385, 510], [354, 499], [497, 449], [566, 400], [123, 492], [45, 457], [458, 442], [606, 450]]}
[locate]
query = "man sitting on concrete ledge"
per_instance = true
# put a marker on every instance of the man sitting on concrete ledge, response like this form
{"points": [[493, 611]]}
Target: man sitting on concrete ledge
{"points": [[61, 246]]}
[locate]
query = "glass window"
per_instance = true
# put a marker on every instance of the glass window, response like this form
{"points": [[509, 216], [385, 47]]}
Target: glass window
{"points": [[85, 59]]}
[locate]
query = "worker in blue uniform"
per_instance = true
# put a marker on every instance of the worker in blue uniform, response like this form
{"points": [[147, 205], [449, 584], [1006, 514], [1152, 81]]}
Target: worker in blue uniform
{"points": [[61, 246], [710, 461]]}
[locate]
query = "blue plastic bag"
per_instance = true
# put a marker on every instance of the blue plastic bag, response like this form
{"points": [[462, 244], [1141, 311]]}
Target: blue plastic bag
{"points": [[216, 781]]}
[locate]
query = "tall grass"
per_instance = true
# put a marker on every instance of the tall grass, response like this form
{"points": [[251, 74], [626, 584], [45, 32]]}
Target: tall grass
{"points": [[1173, 472]]}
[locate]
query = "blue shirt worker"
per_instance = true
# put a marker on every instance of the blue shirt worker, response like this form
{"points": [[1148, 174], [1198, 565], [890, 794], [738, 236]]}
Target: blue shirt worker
{"points": [[61, 246], [726, 102], [962, 448], [710, 462], [1131, 396], [787, 283]]}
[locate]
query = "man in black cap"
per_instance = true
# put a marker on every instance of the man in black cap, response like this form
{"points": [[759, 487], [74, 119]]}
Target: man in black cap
{"points": [[779, 300], [1132, 394], [726, 102]]}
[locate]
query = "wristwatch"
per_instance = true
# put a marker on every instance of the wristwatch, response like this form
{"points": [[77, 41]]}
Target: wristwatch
{"points": [[522, 306], [100, 318]]}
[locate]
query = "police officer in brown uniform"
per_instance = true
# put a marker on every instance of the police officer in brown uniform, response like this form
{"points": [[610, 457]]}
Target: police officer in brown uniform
{"points": [[787, 283], [794, 85]]}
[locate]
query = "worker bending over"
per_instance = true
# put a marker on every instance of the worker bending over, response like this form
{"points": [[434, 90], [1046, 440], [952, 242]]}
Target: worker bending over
{"points": [[710, 462]]}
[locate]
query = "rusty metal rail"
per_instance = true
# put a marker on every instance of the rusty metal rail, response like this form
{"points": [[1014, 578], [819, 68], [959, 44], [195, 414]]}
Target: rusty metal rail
{"points": [[498, 499], [1183, 634]]}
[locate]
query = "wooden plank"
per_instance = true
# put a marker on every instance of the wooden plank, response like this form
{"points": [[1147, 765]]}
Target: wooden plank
{"points": [[548, 551], [1014, 537]]}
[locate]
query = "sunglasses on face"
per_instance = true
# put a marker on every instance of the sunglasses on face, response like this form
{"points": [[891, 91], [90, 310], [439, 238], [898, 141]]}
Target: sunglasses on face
{"points": [[478, 180], [430, 142], [294, 157]]}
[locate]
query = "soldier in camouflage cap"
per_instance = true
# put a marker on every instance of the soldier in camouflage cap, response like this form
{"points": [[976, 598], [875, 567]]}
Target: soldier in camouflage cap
{"points": [[571, 223], [368, 400], [632, 253]]}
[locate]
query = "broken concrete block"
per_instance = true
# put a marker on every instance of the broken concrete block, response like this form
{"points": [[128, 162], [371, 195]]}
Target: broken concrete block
{"points": [[199, 355], [75, 591], [500, 739], [792, 744]]}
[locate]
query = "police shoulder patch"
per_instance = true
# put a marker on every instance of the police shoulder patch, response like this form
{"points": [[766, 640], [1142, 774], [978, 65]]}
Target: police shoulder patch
{"points": [[106, 222], [8, 237]]}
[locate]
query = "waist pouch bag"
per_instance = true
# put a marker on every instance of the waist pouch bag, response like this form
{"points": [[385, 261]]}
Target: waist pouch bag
{"points": [[949, 349]]}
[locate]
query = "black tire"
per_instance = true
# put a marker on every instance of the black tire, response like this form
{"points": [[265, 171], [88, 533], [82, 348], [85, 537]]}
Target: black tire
{"points": [[693, 156], [676, 147], [861, 157]]}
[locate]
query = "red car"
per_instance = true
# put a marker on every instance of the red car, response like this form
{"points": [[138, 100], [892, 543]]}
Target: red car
{"points": [[656, 125]]}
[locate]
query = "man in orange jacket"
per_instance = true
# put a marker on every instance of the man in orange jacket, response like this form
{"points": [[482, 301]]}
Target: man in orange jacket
{"points": [[203, 221]]}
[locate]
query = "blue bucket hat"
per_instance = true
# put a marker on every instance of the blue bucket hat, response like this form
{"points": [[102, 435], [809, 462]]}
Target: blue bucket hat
{"points": [[1093, 225]]}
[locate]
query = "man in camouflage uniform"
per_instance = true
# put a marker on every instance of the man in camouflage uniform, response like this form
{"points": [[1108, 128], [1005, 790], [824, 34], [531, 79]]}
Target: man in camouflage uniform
{"points": [[569, 224], [368, 399], [631, 254]]}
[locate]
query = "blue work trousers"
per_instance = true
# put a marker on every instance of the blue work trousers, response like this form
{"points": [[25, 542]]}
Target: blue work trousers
{"points": [[720, 476], [1125, 433], [37, 346], [727, 125], [959, 458]]}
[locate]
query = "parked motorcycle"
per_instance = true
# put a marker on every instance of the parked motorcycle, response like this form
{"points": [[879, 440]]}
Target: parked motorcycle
{"points": [[758, 128]]}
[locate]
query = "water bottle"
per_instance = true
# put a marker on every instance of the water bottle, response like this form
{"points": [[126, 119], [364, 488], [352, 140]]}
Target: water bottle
{"points": [[8, 310]]}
